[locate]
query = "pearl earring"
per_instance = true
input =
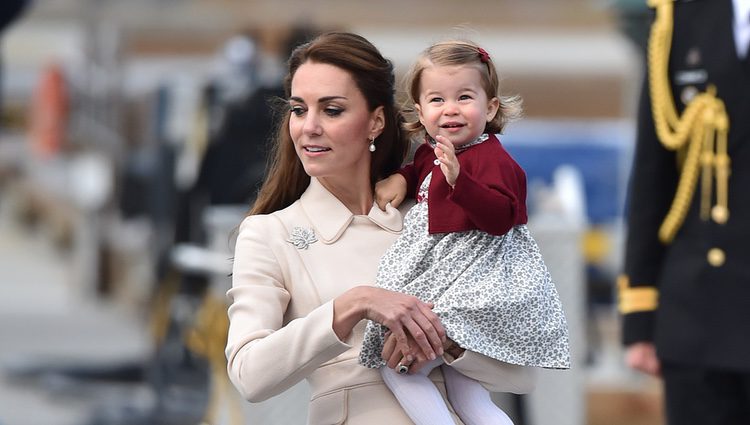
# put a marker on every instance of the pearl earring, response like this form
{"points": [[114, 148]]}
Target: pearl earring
{"points": [[372, 144]]}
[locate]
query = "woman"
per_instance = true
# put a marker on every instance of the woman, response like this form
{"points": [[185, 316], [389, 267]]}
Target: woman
{"points": [[307, 255]]}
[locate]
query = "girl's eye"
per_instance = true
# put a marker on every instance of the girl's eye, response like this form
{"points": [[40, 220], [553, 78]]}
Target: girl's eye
{"points": [[333, 112], [297, 110], [464, 97], [435, 99]]}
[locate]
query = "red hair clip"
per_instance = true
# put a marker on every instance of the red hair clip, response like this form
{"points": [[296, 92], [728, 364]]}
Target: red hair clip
{"points": [[483, 55]]}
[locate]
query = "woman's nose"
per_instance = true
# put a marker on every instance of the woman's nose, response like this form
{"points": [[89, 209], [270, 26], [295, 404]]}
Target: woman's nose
{"points": [[311, 125]]}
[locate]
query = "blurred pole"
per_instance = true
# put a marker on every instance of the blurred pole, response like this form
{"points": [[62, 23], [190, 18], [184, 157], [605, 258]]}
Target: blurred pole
{"points": [[560, 396], [96, 134], [10, 10]]}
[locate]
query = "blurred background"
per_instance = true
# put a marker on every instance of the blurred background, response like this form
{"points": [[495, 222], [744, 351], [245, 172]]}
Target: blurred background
{"points": [[132, 140]]}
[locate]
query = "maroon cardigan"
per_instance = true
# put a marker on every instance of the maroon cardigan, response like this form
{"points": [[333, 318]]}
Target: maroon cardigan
{"points": [[490, 191]]}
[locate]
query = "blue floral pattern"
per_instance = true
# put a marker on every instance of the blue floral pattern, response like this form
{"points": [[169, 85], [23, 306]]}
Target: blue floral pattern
{"points": [[493, 294]]}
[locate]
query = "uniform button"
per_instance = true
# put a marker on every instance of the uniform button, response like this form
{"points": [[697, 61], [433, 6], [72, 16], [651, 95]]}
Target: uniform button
{"points": [[720, 214], [687, 94], [716, 257]]}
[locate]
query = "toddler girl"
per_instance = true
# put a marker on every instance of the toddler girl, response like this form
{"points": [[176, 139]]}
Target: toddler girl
{"points": [[465, 246]]}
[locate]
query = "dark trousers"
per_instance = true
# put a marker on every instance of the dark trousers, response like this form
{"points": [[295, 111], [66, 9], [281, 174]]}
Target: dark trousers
{"points": [[701, 396]]}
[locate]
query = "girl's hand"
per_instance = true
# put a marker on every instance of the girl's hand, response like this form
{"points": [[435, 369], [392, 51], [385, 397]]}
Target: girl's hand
{"points": [[391, 189], [453, 349], [446, 154]]}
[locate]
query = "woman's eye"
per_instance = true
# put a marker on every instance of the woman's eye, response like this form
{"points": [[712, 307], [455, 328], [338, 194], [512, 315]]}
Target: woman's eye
{"points": [[297, 110], [333, 112]]}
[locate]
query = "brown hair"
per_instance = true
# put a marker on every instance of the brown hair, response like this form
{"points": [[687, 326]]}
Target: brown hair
{"points": [[466, 53], [286, 179]]}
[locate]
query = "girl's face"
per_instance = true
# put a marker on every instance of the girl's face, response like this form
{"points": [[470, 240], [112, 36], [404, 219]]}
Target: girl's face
{"points": [[330, 123], [453, 103]]}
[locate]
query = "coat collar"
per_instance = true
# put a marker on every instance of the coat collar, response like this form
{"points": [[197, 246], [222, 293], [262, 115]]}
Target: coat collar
{"points": [[331, 218]]}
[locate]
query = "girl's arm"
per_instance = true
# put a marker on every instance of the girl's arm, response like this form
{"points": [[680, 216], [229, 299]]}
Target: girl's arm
{"points": [[493, 208], [391, 189], [491, 189], [491, 193], [403, 183]]}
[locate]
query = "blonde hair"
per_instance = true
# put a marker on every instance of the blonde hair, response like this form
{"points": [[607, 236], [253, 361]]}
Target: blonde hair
{"points": [[464, 53]]}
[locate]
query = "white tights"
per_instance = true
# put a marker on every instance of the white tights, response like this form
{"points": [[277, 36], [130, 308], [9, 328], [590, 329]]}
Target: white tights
{"points": [[423, 403]]}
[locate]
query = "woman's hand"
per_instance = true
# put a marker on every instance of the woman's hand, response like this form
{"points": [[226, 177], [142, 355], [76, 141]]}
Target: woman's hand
{"points": [[415, 327], [446, 154], [391, 189], [406, 316], [642, 356], [414, 360]]}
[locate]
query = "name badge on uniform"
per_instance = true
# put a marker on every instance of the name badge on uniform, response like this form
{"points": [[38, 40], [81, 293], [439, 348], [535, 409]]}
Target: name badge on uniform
{"points": [[690, 76]]}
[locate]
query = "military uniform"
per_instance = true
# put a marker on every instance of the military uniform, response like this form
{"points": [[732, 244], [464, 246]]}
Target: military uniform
{"points": [[688, 291]]}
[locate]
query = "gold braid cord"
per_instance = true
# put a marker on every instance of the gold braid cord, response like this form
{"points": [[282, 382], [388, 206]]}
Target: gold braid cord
{"points": [[208, 338], [701, 132], [636, 299]]}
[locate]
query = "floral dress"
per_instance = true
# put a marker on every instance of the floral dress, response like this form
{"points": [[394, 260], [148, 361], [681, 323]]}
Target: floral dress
{"points": [[493, 294]]}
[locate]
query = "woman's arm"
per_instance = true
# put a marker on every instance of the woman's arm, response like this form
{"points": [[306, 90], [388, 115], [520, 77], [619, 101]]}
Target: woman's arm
{"points": [[411, 321], [493, 374], [266, 357]]}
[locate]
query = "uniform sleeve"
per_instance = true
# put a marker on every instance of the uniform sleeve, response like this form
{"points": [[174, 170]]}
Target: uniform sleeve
{"points": [[494, 375], [653, 181], [489, 196], [266, 357]]}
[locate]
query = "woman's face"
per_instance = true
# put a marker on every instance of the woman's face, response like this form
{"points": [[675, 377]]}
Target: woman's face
{"points": [[330, 123]]}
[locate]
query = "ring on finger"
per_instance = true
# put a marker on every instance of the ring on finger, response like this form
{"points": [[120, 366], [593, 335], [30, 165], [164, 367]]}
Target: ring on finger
{"points": [[402, 369]]}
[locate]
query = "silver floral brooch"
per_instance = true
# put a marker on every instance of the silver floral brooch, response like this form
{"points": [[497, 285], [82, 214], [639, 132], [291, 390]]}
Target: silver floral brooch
{"points": [[302, 237]]}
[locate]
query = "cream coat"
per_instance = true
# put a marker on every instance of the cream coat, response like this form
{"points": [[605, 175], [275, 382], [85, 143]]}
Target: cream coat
{"points": [[281, 313]]}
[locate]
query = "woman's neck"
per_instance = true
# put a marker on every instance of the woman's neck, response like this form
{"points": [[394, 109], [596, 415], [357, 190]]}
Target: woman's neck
{"points": [[354, 194]]}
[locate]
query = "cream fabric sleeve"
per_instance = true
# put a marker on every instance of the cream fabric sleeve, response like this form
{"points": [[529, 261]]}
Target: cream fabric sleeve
{"points": [[493, 374], [266, 357]]}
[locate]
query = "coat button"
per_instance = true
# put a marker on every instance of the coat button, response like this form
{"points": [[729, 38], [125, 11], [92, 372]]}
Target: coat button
{"points": [[716, 257]]}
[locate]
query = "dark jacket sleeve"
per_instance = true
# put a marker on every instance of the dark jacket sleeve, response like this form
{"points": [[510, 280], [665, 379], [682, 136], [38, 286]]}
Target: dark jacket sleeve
{"points": [[10, 11], [652, 185]]}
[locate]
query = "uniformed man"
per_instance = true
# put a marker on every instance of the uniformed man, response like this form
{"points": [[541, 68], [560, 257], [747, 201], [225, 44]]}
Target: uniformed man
{"points": [[685, 291]]}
